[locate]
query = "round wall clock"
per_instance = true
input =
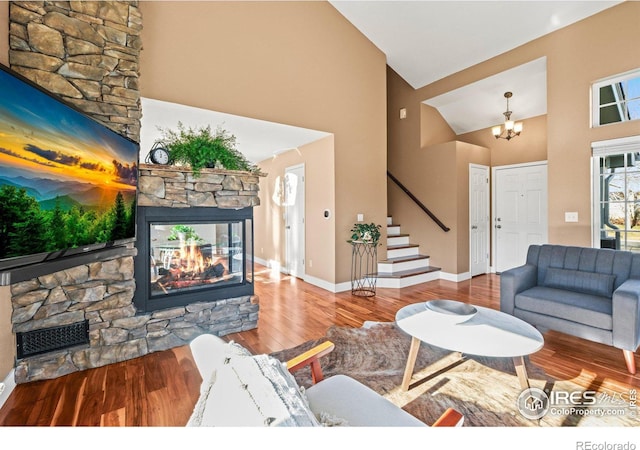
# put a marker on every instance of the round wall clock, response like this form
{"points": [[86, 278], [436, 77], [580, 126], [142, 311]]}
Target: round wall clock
{"points": [[158, 155]]}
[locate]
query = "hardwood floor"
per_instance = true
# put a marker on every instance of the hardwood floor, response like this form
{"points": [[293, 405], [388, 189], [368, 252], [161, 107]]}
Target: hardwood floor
{"points": [[160, 389]]}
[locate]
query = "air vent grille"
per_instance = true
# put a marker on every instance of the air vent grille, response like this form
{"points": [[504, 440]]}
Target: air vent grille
{"points": [[45, 340]]}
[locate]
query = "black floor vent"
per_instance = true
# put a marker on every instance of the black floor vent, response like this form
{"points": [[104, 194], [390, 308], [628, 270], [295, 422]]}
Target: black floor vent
{"points": [[36, 342]]}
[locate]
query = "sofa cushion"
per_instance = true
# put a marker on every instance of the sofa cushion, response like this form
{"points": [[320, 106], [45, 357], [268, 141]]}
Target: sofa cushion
{"points": [[592, 310], [252, 391], [592, 283]]}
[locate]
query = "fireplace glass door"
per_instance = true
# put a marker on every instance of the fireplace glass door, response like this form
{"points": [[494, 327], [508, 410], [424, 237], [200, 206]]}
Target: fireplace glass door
{"points": [[188, 256]]}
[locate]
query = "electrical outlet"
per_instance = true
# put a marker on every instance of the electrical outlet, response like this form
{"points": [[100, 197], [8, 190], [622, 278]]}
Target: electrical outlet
{"points": [[570, 216], [310, 263]]}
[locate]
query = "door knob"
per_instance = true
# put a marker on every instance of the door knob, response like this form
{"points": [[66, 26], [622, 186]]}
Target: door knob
{"points": [[498, 226], [473, 227]]}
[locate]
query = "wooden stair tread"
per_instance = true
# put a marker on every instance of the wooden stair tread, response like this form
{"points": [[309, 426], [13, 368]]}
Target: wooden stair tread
{"points": [[398, 235], [408, 273], [399, 246], [400, 259]]}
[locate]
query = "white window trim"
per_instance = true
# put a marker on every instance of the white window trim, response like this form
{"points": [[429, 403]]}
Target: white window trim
{"points": [[595, 94], [600, 149]]}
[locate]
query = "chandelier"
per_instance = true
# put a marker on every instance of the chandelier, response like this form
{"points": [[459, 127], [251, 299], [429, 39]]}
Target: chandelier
{"points": [[510, 129]]}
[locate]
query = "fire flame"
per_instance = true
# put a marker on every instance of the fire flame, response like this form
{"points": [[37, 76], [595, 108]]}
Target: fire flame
{"points": [[191, 259]]}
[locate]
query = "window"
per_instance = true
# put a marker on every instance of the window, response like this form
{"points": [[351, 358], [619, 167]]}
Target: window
{"points": [[617, 194], [616, 99]]}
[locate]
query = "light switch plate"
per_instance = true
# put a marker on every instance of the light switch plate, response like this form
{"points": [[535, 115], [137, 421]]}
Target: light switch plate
{"points": [[360, 217]]}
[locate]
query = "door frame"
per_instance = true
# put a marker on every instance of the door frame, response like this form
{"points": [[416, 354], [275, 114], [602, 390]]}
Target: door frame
{"points": [[494, 243], [487, 208], [301, 255]]}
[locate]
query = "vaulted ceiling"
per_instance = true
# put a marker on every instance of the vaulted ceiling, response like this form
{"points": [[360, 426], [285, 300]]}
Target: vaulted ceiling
{"points": [[425, 41]]}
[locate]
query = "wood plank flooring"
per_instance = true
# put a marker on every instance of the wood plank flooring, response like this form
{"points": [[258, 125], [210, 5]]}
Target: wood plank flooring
{"points": [[160, 389]]}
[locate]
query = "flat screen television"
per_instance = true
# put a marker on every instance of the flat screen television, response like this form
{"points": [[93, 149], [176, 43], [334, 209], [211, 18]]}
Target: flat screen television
{"points": [[67, 182]]}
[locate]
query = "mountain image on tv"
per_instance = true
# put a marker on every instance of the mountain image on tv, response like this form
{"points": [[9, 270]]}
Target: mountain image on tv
{"points": [[66, 181]]}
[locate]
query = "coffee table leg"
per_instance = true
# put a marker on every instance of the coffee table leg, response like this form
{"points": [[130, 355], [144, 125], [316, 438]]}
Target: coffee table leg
{"points": [[411, 362], [521, 370]]}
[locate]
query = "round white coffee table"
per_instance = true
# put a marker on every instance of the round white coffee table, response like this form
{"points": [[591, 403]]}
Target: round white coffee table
{"points": [[487, 332]]}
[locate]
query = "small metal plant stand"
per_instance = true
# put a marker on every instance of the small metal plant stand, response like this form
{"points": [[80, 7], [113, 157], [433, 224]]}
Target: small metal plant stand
{"points": [[364, 268]]}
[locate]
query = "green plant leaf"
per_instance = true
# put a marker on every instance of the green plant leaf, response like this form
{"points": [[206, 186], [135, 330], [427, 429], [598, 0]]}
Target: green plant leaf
{"points": [[203, 148]]}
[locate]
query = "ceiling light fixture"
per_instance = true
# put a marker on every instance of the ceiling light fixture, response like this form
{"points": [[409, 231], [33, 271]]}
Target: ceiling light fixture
{"points": [[511, 129]]}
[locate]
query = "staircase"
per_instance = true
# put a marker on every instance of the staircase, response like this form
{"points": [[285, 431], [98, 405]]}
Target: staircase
{"points": [[404, 266]]}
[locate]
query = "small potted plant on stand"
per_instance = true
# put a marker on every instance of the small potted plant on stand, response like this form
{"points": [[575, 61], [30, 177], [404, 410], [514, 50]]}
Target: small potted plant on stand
{"points": [[364, 242]]}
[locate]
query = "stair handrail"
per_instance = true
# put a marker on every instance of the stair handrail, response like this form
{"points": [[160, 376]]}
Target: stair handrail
{"points": [[418, 202]]}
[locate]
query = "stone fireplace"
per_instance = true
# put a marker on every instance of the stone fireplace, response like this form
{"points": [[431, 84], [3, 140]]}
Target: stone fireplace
{"points": [[182, 300], [196, 237]]}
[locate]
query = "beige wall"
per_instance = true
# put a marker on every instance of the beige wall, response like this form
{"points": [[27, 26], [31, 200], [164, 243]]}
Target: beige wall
{"points": [[284, 62], [7, 343], [319, 195], [529, 147], [597, 47], [438, 175]]}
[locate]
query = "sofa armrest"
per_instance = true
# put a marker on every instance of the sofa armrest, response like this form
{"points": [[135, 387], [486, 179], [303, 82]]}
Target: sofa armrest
{"points": [[514, 281], [311, 358], [626, 315]]}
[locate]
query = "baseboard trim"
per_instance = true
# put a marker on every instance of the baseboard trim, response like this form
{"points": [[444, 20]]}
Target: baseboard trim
{"points": [[455, 277], [319, 282], [328, 286], [9, 384], [346, 286]]}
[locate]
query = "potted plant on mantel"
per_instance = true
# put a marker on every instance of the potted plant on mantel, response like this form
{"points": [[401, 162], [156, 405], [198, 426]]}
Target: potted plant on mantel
{"points": [[202, 148]]}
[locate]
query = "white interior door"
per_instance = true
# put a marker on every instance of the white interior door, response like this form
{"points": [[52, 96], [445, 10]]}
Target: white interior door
{"points": [[478, 219], [520, 212], [294, 220]]}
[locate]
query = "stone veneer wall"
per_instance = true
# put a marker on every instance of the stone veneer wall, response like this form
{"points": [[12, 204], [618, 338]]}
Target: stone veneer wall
{"points": [[102, 292], [177, 187], [87, 52]]}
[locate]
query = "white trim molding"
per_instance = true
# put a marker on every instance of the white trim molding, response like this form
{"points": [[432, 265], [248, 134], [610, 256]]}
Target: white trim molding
{"points": [[455, 277]]}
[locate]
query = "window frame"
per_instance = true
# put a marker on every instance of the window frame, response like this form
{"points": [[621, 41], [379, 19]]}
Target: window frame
{"points": [[595, 95], [601, 149]]}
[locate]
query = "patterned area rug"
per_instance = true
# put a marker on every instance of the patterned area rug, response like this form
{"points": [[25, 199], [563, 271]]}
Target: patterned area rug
{"points": [[485, 390]]}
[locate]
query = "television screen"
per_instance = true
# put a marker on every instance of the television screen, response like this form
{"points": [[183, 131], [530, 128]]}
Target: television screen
{"points": [[67, 182]]}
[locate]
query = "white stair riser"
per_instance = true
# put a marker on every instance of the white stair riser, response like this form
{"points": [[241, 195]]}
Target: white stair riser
{"points": [[407, 281], [400, 252], [405, 265], [394, 230], [389, 220], [400, 240]]}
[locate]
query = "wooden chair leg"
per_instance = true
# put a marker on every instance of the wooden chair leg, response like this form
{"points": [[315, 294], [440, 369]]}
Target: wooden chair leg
{"points": [[630, 359]]}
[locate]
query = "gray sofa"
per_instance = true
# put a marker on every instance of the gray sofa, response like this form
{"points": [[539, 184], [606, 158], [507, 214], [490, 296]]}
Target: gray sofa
{"points": [[590, 293]]}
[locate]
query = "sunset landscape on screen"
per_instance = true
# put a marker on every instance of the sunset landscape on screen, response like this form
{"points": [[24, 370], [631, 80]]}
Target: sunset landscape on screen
{"points": [[62, 175]]}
